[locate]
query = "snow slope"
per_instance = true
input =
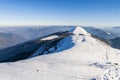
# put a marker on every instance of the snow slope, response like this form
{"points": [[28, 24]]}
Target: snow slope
{"points": [[88, 59], [50, 37]]}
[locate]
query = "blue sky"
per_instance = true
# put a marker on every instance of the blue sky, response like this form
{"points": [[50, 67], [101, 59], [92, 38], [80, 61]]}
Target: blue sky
{"points": [[60, 12]]}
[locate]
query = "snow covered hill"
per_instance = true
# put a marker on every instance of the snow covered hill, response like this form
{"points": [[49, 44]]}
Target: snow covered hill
{"points": [[78, 57]]}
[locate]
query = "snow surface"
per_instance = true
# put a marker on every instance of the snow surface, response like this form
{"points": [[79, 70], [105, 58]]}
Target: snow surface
{"points": [[50, 37], [87, 59]]}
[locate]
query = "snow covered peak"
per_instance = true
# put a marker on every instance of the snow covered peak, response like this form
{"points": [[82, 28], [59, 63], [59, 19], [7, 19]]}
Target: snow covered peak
{"points": [[79, 30], [81, 35]]}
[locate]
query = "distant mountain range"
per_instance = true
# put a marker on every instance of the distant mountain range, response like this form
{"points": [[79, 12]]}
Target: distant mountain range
{"points": [[9, 39]]}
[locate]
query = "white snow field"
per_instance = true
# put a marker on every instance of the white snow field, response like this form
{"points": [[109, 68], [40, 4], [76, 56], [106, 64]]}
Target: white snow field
{"points": [[50, 37], [88, 59]]}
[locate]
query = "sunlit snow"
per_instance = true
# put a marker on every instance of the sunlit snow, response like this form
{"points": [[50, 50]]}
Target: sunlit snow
{"points": [[87, 59]]}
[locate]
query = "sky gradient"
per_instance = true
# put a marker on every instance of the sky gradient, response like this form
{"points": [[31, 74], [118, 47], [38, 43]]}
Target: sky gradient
{"points": [[60, 12]]}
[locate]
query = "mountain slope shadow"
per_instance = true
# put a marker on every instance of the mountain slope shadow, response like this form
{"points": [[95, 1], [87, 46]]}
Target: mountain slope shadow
{"points": [[28, 49]]}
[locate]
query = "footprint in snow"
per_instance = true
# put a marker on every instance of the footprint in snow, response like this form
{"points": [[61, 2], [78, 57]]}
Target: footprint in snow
{"points": [[112, 73]]}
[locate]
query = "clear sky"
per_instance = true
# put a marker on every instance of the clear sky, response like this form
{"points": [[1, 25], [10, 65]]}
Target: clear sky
{"points": [[60, 12]]}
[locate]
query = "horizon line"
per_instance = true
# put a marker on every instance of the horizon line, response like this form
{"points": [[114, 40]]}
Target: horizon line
{"points": [[58, 25]]}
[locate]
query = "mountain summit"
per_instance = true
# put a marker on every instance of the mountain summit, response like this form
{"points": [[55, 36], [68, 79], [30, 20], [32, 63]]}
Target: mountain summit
{"points": [[79, 30]]}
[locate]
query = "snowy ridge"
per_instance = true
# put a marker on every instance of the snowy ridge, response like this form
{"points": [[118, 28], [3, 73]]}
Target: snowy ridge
{"points": [[78, 30], [87, 59]]}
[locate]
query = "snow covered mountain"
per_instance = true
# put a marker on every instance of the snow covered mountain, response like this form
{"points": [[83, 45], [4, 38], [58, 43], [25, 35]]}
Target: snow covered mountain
{"points": [[101, 32], [77, 57], [110, 35]]}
